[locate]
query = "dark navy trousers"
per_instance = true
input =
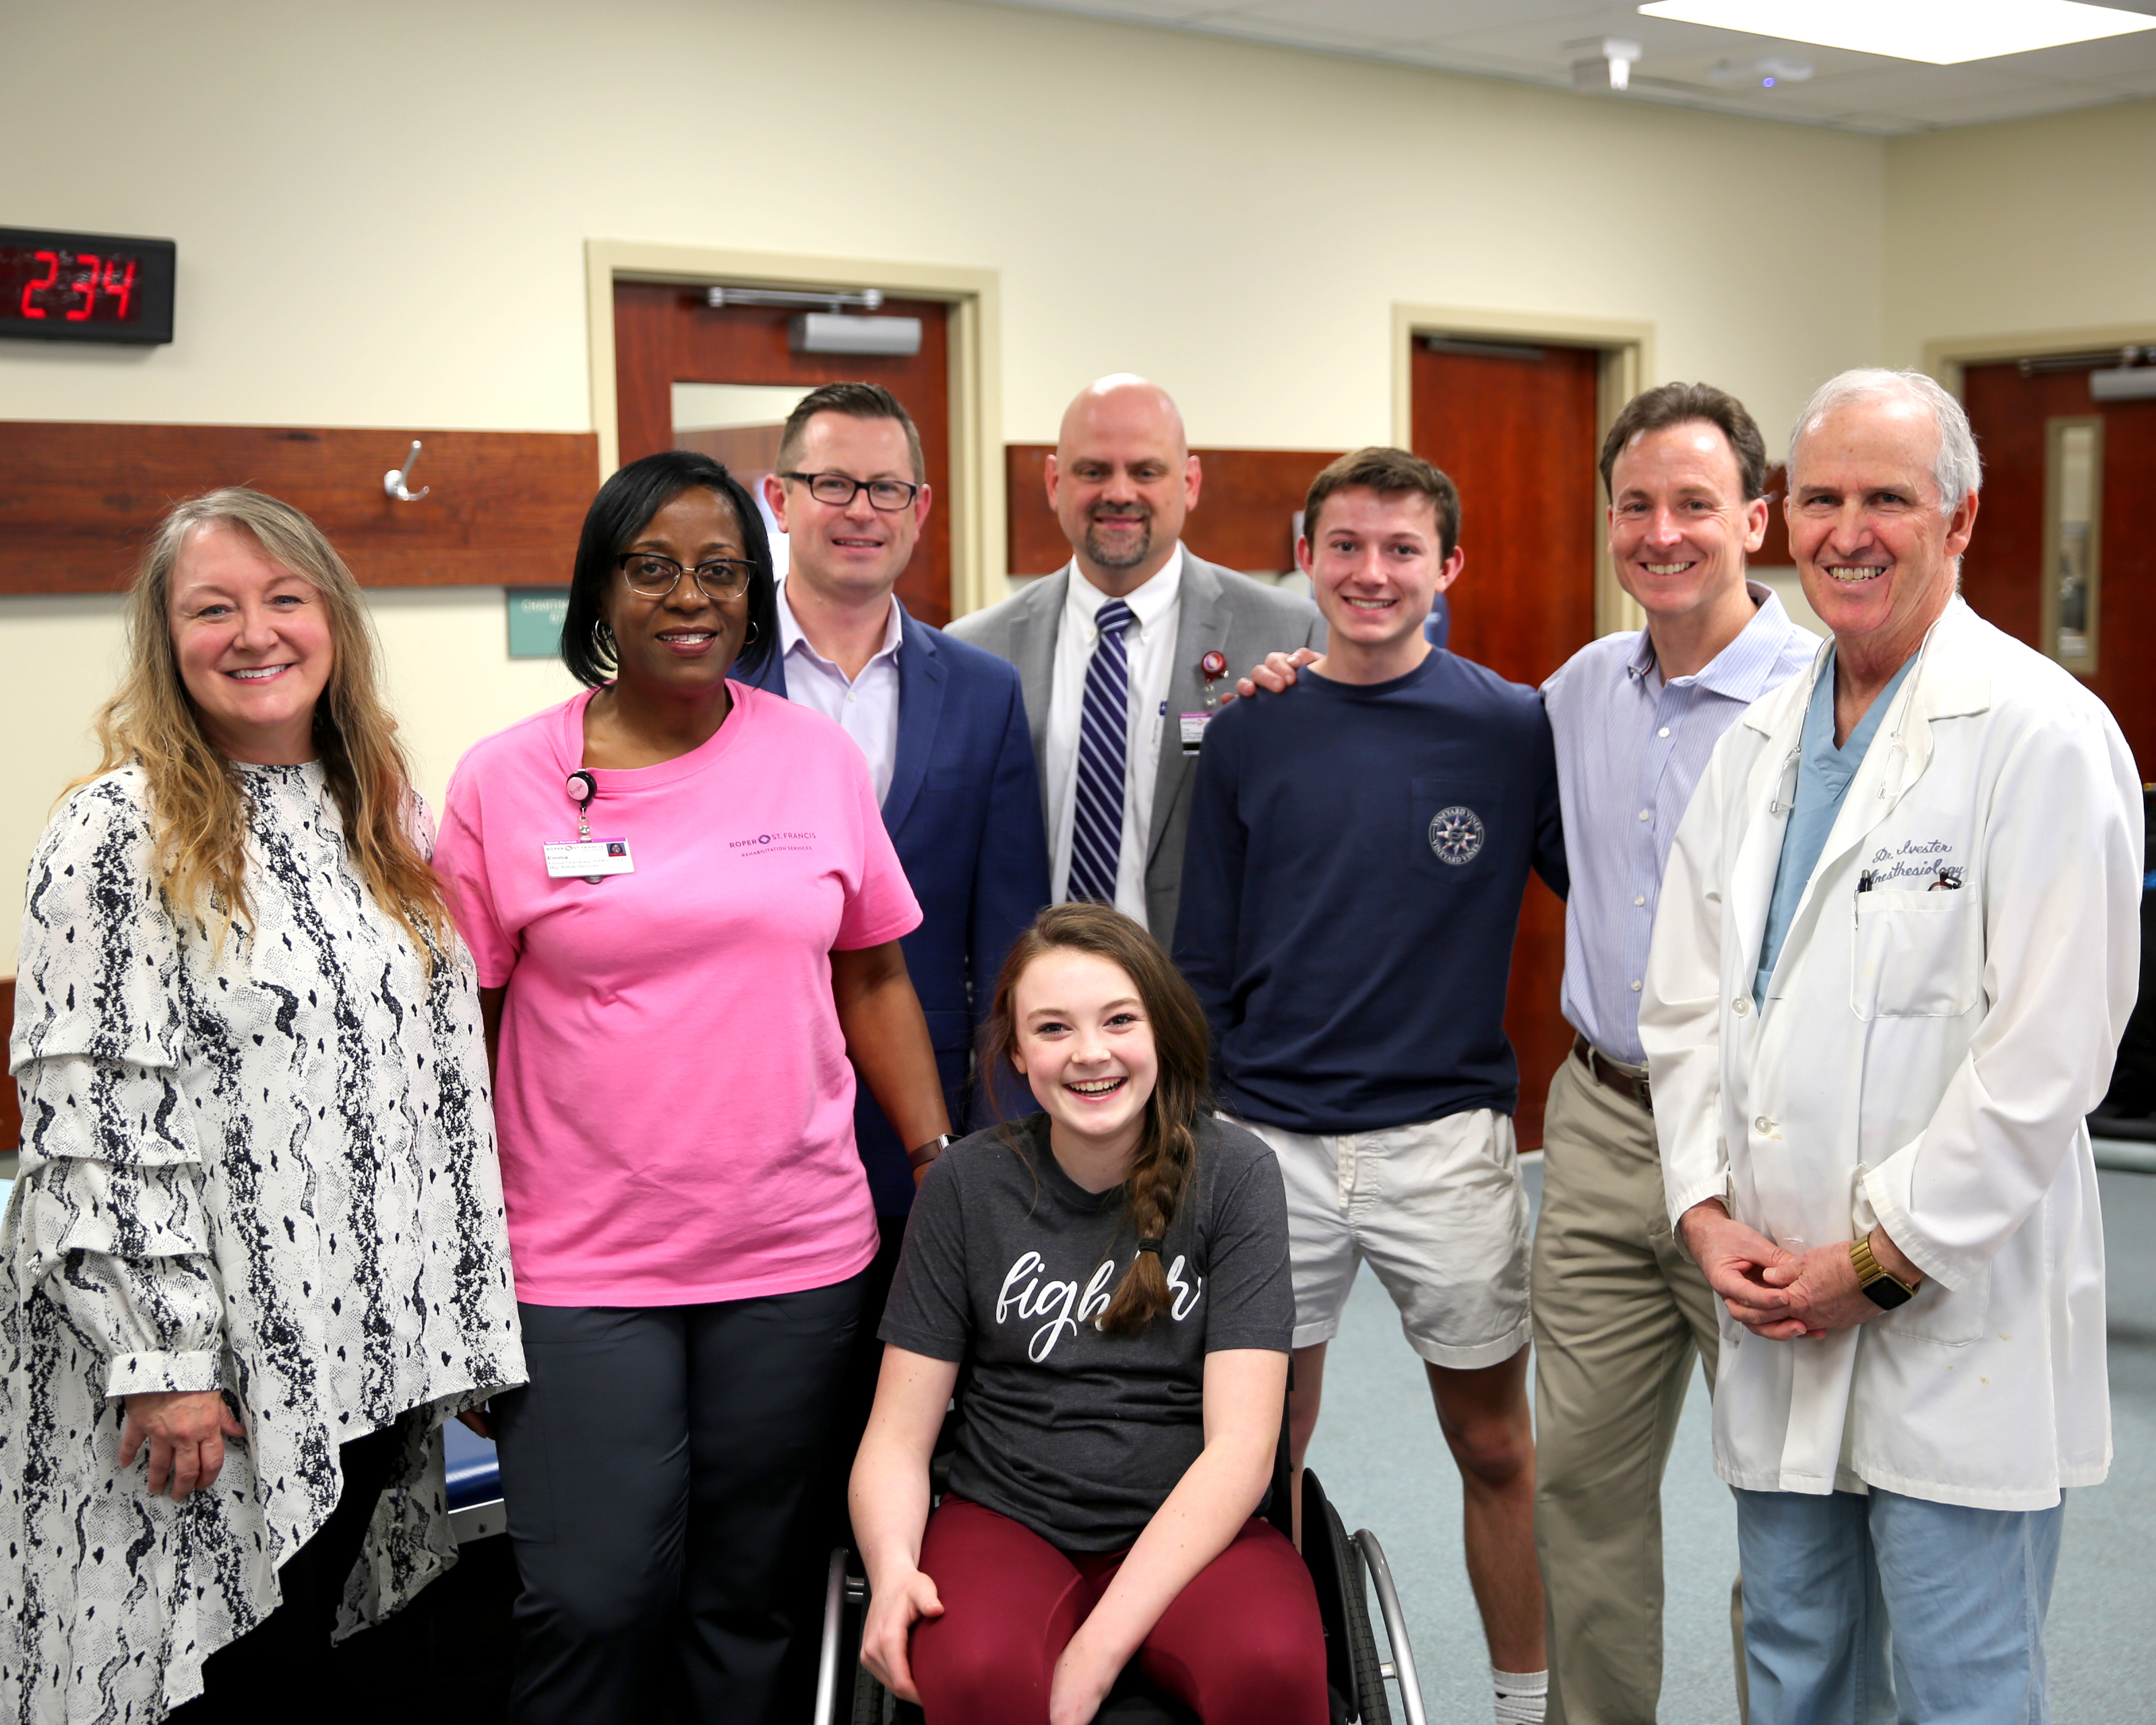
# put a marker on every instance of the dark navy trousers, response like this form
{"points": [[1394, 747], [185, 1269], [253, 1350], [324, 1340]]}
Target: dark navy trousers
{"points": [[656, 1471]]}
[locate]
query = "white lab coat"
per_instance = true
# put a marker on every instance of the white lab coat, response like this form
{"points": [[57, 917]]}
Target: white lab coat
{"points": [[1923, 1061]]}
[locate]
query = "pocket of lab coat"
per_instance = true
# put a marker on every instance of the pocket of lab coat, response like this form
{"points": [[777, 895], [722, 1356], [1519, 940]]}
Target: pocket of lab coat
{"points": [[1936, 1316], [1918, 954]]}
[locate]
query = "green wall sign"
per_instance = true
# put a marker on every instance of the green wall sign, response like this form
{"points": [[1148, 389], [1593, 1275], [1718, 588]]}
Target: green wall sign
{"points": [[535, 621]]}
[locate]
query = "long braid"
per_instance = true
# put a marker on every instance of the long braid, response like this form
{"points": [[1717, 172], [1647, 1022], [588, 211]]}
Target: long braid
{"points": [[1165, 1160]]}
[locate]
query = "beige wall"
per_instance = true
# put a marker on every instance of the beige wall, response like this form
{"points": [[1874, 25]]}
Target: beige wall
{"points": [[450, 679], [381, 210], [2041, 226]]}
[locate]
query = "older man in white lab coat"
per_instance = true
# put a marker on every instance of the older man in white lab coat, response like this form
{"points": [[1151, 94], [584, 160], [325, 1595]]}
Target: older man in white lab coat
{"points": [[1897, 943]]}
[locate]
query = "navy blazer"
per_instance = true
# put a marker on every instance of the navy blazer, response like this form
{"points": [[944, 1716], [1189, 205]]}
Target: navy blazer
{"points": [[963, 812]]}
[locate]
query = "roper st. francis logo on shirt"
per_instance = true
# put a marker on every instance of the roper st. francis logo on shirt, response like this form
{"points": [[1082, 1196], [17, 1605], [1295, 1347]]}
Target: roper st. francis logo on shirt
{"points": [[763, 843], [1026, 1294]]}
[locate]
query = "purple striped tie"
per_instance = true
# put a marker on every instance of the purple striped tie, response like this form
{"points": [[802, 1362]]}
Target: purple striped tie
{"points": [[1097, 826]]}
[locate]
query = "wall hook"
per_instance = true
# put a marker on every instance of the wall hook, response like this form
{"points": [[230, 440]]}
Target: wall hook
{"points": [[392, 482]]}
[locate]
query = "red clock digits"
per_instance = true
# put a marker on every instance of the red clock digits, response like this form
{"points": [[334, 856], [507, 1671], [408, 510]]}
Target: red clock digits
{"points": [[87, 287], [126, 291], [51, 260]]}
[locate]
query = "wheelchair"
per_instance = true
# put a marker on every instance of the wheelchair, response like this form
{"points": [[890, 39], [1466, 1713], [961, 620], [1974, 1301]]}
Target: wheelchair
{"points": [[1344, 1571]]}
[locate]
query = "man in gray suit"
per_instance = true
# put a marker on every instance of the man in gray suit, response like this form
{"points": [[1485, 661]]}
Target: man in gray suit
{"points": [[1134, 629]]}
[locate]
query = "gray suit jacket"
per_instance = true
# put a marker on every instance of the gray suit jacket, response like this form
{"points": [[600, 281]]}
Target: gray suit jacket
{"points": [[1245, 619]]}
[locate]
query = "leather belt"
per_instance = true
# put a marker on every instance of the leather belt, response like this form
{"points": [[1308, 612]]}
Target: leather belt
{"points": [[1631, 1085]]}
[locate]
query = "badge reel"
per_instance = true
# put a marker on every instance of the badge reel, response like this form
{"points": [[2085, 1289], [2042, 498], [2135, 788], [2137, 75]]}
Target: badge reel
{"points": [[590, 859], [1212, 667]]}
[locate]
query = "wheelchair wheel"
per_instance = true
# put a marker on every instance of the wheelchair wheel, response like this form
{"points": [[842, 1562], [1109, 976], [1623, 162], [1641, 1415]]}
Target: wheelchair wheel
{"points": [[871, 1700], [1371, 1705], [1353, 1669]]}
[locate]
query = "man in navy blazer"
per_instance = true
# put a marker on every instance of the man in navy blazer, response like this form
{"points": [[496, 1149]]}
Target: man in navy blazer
{"points": [[943, 726]]}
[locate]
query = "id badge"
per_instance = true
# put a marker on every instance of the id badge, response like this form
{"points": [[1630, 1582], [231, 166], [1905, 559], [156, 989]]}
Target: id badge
{"points": [[1194, 730], [590, 859]]}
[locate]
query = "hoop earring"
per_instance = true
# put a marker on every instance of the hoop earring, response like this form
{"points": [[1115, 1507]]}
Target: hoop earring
{"points": [[749, 640], [602, 635]]}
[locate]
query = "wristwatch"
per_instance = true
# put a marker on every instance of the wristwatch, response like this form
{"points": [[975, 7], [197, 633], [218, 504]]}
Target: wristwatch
{"points": [[918, 1159], [1884, 1289]]}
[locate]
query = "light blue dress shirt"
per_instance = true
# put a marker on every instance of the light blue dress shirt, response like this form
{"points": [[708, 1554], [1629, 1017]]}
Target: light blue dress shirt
{"points": [[1631, 748], [1823, 775], [865, 706]]}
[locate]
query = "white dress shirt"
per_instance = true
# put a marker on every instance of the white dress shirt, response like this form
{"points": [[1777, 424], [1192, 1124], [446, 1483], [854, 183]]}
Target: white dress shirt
{"points": [[1149, 645], [867, 707]]}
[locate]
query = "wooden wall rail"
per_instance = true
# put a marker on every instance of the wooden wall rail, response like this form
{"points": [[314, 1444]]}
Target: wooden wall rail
{"points": [[77, 501], [1245, 508]]}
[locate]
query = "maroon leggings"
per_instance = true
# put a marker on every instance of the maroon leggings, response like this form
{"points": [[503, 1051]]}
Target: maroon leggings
{"points": [[1240, 1643]]}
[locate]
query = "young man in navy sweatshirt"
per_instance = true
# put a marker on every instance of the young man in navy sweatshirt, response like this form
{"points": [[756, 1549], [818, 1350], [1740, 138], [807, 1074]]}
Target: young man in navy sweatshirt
{"points": [[1359, 848]]}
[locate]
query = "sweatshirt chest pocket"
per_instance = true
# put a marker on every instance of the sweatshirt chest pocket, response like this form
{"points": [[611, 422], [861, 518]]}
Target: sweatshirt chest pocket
{"points": [[1456, 827], [1918, 954]]}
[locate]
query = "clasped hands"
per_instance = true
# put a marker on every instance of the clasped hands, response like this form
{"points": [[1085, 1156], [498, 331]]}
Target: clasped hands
{"points": [[1781, 1295], [1083, 1674]]}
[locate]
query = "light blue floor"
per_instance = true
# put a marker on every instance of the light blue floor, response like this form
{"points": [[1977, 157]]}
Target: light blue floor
{"points": [[1383, 1464]]}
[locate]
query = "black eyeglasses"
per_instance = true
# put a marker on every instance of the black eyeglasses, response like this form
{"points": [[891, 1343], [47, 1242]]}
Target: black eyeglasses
{"points": [[838, 490], [654, 576]]}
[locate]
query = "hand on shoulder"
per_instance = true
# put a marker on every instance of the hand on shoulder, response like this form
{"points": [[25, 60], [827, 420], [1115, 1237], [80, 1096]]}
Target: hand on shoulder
{"points": [[1277, 673]]}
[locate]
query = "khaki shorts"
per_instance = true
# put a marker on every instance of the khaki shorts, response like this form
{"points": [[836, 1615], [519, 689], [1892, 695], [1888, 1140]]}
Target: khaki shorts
{"points": [[1438, 1210]]}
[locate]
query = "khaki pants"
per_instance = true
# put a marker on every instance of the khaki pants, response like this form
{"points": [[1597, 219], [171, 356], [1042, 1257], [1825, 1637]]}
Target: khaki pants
{"points": [[1619, 1312]]}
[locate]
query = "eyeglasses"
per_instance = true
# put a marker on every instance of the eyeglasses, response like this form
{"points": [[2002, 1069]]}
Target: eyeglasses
{"points": [[654, 576], [838, 490]]}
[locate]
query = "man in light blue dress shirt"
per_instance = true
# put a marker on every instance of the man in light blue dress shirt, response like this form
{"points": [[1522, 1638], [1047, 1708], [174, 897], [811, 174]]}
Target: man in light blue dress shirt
{"points": [[1619, 1310]]}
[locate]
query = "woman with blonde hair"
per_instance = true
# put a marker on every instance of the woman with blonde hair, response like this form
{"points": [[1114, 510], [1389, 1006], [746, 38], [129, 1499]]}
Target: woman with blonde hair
{"points": [[255, 1254], [1112, 1273]]}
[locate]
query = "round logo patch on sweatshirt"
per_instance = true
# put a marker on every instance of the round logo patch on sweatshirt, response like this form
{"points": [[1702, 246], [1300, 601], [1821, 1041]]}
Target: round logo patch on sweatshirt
{"points": [[1455, 834]]}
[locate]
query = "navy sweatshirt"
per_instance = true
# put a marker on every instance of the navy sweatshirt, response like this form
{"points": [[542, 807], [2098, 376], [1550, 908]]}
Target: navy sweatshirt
{"points": [[1352, 889]]}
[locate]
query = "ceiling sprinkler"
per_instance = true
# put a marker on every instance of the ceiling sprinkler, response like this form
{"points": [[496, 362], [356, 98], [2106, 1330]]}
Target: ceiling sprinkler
{"points": [[1603, 62]]}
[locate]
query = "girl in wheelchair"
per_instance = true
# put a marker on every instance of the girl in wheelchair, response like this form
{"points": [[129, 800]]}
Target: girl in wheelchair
{"points": [[1112, 1272]]}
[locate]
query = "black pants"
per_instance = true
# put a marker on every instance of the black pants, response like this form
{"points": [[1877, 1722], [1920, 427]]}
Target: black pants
{"points": [[656, 1470], [286, 1661]]}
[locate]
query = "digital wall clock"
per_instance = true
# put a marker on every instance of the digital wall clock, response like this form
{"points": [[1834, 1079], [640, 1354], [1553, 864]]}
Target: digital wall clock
{"points": [[86, 287]]}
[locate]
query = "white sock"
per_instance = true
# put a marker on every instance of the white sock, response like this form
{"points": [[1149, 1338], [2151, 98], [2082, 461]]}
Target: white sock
{"points": [[1521, 1695]]}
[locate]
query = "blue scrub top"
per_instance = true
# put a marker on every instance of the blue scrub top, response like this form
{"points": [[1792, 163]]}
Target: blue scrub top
{"points": [[1824, 773]]}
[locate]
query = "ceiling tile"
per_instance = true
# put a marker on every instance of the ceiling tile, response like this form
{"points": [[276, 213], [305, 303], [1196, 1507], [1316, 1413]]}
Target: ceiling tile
{"points": [[1293, 32], [1902, 86], [1142, 11], [1976, 110], [1322, 20], [1528, 41], [2122, 55]]}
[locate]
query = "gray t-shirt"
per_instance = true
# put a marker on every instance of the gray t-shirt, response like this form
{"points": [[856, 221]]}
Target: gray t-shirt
{"points": [[1074, 1433]]}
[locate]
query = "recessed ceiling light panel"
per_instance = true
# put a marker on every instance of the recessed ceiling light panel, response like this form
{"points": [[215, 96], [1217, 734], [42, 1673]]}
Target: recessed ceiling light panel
{"points": [[1943, 31]]}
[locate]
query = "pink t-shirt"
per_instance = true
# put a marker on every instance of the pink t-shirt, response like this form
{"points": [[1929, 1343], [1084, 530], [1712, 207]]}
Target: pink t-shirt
{"points": [[675, 1102]]}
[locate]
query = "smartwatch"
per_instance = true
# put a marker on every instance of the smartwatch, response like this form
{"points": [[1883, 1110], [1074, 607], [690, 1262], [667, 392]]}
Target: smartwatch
{"points": [[1884, 1289]]}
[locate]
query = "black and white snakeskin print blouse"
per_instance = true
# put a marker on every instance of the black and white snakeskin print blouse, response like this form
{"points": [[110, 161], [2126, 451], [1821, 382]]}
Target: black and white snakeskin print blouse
{"points": [[270, 1173]]}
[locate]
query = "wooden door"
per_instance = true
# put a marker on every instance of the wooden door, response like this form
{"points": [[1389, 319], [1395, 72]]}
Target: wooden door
{"points": [[665, 334], [1517, 432], [2002, 574]]}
